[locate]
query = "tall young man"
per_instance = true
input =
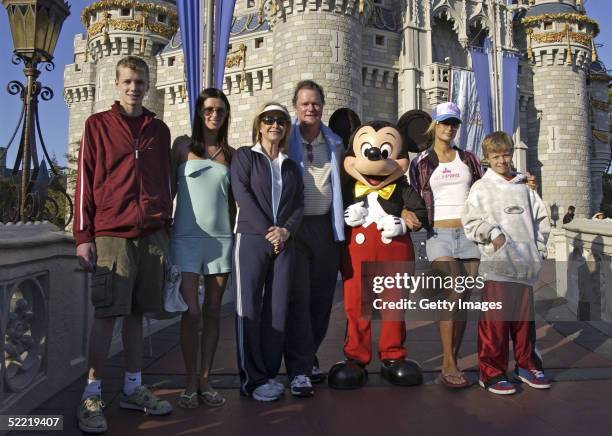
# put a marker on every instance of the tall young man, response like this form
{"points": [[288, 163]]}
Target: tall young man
{"points": [[122, 215]]}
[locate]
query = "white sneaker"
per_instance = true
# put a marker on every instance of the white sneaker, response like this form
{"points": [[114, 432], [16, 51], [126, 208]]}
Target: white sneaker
{"points": [[317, 376], [266, 392], [301, 386], [280, 388]]}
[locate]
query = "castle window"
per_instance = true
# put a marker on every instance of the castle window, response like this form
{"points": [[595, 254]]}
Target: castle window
{"points": [[379, 40], [171, 61], [229, 47], [250, 3], [161, 18], [548, 25], [259, 42], [125, 12]]}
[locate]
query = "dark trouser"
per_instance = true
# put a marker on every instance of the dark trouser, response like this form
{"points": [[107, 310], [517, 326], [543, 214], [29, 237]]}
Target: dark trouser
{"points": [[317, 260], [261, 281], [495, 330]]}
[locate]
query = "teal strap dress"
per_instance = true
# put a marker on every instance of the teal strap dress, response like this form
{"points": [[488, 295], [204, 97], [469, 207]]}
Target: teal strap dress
{"points": [[202, 235]]}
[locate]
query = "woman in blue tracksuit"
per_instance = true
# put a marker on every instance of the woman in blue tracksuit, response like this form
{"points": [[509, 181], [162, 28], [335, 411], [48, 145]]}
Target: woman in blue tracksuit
{"points": [[270, 194]]}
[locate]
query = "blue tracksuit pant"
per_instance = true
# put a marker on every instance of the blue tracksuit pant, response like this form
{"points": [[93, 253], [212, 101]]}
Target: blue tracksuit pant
{"points": [[261, 280]]}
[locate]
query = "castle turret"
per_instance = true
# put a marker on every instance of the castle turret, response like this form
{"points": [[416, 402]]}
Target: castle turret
{"points": [[319, 41], [599, 113], [114, 29], [559, 46]]}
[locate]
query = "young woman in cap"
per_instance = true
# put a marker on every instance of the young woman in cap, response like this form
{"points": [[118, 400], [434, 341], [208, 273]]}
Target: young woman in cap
{"points": [[202, 241], [443, 175], [270, 195]]}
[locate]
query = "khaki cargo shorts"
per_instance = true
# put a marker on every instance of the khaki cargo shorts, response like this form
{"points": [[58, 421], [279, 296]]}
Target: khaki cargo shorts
{"points": [[129, 274]]}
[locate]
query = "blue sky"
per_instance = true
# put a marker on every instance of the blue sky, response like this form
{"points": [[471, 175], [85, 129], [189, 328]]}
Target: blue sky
{"points": [[54, 113]]}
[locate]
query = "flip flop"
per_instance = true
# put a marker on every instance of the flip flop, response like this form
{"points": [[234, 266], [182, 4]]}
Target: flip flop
{"points": [[445, 379], [188, 401], [212, 399]]}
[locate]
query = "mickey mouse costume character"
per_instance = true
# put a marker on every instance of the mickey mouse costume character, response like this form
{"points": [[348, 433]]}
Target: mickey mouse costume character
{"points": [[376, 232]]}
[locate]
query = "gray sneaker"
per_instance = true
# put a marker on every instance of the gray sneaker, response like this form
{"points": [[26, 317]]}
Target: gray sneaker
{"points": [[280, 388], [266, 392], [317, 376], [143, 399], [90, 415]]}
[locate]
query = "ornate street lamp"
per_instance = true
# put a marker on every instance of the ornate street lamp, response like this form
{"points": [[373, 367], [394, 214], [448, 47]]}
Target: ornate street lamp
{"points": [[35, 27]]}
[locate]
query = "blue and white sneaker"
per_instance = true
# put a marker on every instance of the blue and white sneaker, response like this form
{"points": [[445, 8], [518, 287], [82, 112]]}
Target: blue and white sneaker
{"points": [[502, 387], [266, 392], [301, 386], [533, 377], [280, 388]]}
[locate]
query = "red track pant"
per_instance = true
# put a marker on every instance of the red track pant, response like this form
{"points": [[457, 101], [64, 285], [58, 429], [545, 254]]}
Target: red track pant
{"points": [[495, 328], [364, 244]]}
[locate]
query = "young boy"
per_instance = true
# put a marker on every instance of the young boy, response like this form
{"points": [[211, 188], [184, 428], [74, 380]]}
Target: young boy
{"points": [[510, 224]]}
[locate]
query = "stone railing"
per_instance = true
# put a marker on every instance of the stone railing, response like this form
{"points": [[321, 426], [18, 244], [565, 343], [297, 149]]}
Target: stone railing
{"points": [[45, 315], [583, 254]]}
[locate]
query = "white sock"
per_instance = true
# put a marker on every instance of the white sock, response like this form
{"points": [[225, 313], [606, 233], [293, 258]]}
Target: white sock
{"points": [[131, 381], [92, 388]]}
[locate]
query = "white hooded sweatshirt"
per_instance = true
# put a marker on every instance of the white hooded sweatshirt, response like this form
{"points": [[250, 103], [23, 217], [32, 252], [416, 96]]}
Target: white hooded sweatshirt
{"points": [[498, 206]]}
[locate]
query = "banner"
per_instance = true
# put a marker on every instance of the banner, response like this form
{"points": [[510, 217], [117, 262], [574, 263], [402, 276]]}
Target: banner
{"points": [[482, 74], [190, 23], [224, 12], [509, 80], [464, 94], [507, 65]]}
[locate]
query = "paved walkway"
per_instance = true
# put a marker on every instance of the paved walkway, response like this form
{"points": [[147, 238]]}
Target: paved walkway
{"points": [[576, 355]]}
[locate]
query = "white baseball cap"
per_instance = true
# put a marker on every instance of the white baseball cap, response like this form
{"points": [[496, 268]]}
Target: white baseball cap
{"points": [[445, 111]]}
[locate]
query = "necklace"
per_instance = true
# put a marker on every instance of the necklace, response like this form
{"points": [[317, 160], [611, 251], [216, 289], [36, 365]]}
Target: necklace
{"points": [[214, 155]]}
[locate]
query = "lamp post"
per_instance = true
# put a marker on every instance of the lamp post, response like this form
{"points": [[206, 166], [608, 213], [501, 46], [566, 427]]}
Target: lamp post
{"points": [[35, 28]]}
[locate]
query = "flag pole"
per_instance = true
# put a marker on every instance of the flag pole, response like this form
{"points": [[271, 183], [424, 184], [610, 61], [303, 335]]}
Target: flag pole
{"points": [[496, 96], [210, 42]]}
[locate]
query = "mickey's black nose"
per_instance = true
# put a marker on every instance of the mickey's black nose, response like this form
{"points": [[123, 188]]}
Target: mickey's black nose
{"points": [[373, 153]]}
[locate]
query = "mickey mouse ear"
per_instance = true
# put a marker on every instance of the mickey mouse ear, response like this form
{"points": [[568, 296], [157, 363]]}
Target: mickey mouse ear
{"points": [[413, 125], [344, 122]]}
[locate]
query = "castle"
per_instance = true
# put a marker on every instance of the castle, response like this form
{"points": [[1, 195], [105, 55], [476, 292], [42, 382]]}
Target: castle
{"points": [[380, 58]]}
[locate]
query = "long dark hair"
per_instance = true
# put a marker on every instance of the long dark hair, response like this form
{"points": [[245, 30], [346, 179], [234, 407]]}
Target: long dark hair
{"points": [[197, 134]]}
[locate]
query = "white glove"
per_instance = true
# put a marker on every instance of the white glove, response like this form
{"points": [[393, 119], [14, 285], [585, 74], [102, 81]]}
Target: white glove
{"points": [[355, 214], [391, 226]]}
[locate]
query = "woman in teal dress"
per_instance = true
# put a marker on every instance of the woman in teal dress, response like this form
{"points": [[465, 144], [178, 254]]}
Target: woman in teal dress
{"points": [[201, 242]]}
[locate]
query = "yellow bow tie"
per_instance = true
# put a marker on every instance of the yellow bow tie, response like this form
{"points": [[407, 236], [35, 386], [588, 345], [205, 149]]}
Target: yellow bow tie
{"points": [[361, 190]]}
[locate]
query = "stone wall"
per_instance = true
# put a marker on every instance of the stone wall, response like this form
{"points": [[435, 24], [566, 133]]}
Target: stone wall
{"points": [[445, 44], [600, 138], [561, 127], [316, 44], [45, 315], [583, 254]]}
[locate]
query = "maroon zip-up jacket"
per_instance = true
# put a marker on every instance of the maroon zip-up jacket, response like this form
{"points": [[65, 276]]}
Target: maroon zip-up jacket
{"points": [[423, 167], [123, 183]]}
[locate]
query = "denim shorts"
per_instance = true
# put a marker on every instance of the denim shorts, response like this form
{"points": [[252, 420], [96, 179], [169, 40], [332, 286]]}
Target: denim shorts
{"points": [[450, 242]]}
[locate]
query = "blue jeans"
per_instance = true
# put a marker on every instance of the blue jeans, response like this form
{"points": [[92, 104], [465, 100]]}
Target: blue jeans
{"points": [[450, 242]]}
